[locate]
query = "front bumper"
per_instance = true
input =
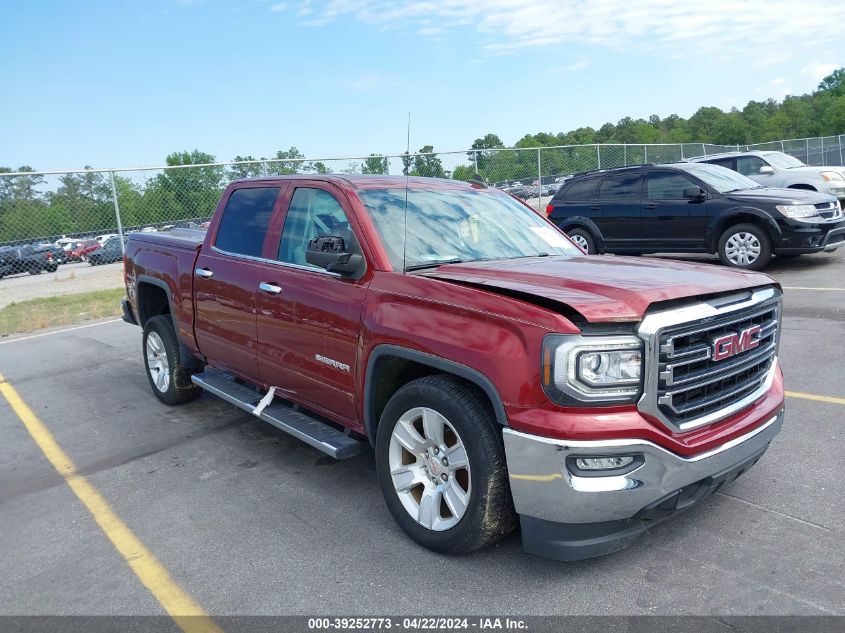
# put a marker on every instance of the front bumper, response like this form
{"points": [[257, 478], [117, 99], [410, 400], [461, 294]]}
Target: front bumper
{"points": [[569, 517], [797, 238]]}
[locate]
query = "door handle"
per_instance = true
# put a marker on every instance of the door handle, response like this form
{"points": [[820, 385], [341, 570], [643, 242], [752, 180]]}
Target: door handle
{"points": [[651, 206], [595, 208], [203, 272], [273, 289]]}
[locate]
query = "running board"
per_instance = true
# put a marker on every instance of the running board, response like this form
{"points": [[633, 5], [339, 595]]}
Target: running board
{"points": [[301, 425]]}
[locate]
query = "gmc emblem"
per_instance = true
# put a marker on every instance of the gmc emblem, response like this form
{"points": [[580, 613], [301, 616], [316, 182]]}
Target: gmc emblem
{"points": [[733, 344]]}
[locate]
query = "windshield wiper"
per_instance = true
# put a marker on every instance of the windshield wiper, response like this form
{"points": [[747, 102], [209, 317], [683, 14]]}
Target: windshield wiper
{"points": [[434, 264]]}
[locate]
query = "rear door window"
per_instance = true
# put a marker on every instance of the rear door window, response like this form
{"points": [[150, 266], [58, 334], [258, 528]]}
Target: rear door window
{"points": [[723, 162], [624, 187], [245, 220], [586, 189]]}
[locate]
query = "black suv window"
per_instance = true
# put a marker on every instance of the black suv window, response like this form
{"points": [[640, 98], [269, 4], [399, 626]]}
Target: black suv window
{"points": [[666, 185], [585, 189], [245, 220], [619, 187], [749, 165]]}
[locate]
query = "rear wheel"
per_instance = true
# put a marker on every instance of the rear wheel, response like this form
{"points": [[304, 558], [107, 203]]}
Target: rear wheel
{"points": [[170, 380], [584, 239], [745, 246], [441, 465]]}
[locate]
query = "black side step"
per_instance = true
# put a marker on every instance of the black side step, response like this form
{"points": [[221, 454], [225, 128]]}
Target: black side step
{"points": [[301, 425]]}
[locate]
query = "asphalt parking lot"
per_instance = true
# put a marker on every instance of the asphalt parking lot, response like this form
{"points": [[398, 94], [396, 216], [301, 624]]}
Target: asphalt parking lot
{"points": [[248, 520]]}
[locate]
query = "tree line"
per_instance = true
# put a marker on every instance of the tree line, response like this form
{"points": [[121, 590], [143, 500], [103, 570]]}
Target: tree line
{"points": [[32, 208]]}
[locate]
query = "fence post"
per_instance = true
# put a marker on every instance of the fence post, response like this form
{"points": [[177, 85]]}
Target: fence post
{"points": [[682, 151], [807, 144], [824, 156], [264, 168], [839, 138], [625, 154], [539, 182], [475, 160], [117, 212], [645, 153], [598, 156]]}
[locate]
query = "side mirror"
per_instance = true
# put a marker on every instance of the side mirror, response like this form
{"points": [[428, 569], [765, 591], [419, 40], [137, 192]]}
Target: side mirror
{"points": [[330, 252], [694, 193], [767, 169]]}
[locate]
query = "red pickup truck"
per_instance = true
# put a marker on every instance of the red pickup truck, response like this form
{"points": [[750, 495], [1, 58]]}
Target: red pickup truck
{"points": [[499, 373]]}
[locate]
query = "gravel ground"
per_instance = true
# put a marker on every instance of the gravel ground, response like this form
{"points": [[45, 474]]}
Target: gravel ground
{"points": [[68, 279]]}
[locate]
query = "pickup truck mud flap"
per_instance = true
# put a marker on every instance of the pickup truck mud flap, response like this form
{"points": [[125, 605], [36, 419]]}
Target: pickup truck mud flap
{"points": [[310, 430]]}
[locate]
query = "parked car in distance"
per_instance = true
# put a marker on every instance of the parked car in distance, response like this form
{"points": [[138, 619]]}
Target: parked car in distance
{"points": [[499, 374], [81, 250], [102, 239], [51, 251], [694, 208], [25, 259], [110, 252], [777, 169]]}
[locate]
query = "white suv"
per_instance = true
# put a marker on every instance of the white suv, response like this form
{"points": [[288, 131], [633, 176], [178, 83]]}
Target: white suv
{"points": [[776, 169]]}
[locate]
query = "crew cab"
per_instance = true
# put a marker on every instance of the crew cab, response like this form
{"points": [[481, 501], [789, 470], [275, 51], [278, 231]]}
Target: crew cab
{"points": [[499, 374], [695, 208]]}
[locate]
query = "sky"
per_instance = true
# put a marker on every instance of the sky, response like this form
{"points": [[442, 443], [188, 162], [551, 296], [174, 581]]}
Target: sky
{"points": [[123, 83]]}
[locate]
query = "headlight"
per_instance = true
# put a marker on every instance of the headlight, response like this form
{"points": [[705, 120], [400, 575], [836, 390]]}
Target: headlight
{"points": [[600, 369], [831, 175], [797, 210]]}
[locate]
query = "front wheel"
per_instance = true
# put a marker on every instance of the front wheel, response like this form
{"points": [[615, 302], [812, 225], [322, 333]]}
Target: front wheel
{"points": [[745, 246], [441, 466], [583, 239], [170, 380]]}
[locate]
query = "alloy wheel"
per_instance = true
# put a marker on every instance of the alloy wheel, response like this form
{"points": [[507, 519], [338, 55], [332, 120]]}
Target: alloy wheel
{"points": [[581, 242], [157, 363], [429, 469]]}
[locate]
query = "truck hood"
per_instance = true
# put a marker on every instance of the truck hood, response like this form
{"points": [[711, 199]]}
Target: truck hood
{"points": [[600, 288]]}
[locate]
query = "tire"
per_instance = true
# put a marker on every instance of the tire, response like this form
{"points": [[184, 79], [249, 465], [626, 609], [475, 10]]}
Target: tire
{"points": [[584, 239], [170, 381], [481, 486], [745, 246], [53, 268]]}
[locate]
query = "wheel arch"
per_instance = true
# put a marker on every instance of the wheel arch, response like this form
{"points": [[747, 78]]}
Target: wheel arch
{"points": [[389, 367], [802, 185], [581, 222], [153, 297], [743, 216]]}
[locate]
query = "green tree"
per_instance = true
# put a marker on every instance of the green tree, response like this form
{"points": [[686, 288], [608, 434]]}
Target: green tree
{"points": [[286, 162], [250, 167], [426, 163], [483, 154], [374, 164]]}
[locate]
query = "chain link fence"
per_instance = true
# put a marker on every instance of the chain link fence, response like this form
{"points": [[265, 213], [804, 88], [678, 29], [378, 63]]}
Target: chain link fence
{"points": [[65, 222]]}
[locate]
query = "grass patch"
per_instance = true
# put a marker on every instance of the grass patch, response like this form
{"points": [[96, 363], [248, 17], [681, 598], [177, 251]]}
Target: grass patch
{"points": [[36, 314]]}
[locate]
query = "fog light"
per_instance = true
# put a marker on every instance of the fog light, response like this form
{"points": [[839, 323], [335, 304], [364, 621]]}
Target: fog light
{"points": [[603, 463]]}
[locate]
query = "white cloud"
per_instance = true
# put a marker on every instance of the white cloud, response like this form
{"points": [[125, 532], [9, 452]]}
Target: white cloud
{"points": [[576, 66], [778, 81], [668, 26], [817, 72], [279, 6]]}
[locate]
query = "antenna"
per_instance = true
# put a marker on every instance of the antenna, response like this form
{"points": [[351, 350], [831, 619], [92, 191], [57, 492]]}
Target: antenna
{"points": [[405, 219]]}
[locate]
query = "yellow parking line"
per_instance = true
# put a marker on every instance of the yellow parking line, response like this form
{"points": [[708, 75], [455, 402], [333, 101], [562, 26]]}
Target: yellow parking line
{"points": [[187, 614], [802, 288], [811, 396]]}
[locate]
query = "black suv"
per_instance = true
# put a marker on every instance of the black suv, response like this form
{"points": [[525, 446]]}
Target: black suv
{"points": [[26, 258], [694, 208]]}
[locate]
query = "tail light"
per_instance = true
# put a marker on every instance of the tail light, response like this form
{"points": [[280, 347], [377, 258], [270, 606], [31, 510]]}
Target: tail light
{"points": [[49, 256], [549, 209]]}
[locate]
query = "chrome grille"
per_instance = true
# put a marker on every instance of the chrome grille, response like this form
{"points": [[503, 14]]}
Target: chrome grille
{"points": [[829, 210], [685, 386]]}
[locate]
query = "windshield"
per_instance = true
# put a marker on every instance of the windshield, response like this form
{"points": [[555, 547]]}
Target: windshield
{"points": [[452, 226], [721, 179], [784, 161]]}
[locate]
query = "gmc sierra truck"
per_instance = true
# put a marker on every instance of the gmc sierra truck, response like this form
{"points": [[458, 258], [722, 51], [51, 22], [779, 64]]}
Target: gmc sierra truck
{"points": [[500, 374]]}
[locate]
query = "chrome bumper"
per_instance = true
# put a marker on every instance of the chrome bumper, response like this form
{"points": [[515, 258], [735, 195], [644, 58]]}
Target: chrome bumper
{"points": [[544, 488]]}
